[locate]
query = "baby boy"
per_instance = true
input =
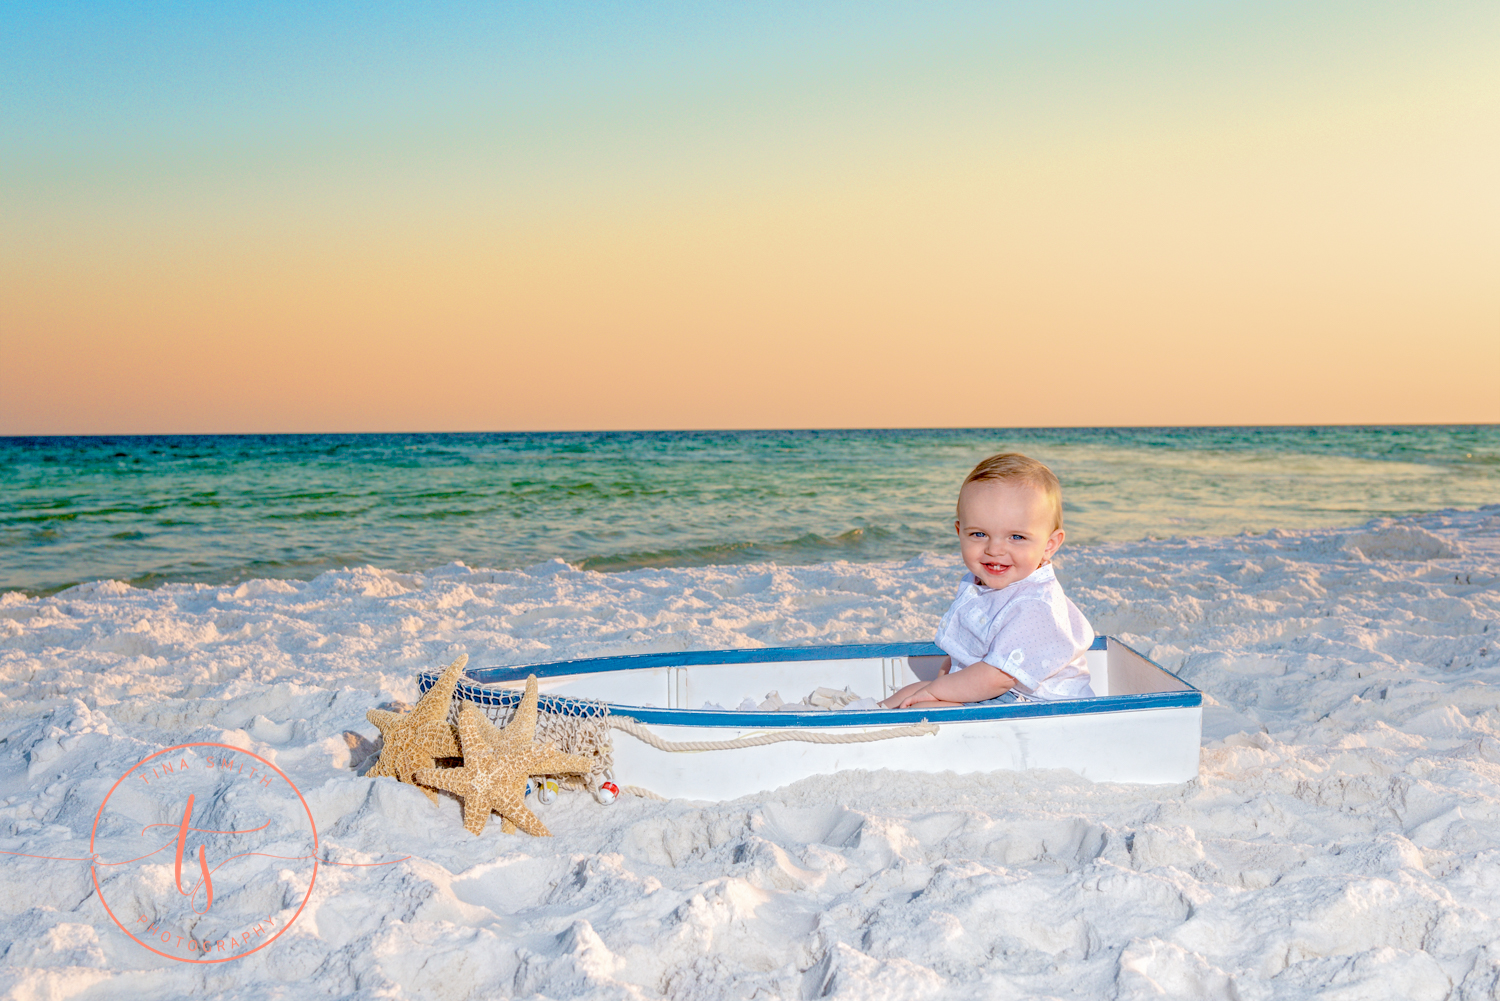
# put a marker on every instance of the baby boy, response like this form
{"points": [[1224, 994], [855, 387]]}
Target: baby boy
{"points": [[1010, 632]]}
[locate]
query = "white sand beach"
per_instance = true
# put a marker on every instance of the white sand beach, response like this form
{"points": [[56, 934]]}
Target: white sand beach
{"points": [[1342, 840]]}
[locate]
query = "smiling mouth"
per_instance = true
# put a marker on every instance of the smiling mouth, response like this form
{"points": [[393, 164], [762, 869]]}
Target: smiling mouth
{"points": [[994, 569]]}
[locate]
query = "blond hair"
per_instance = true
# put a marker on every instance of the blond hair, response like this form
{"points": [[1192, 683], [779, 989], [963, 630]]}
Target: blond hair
{"points": [[1013, 466]]}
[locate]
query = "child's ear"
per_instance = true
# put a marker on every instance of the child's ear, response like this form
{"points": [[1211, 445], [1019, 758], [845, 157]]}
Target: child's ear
{"points": [[956, 530], [1054, 543]]}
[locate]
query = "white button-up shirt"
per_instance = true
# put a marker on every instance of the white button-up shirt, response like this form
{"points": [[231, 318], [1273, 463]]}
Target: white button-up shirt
{"points": [[1030, 630]]}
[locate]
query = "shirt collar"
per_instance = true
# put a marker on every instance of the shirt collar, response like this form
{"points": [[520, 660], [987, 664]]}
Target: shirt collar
{"points": [[1040, 575]]}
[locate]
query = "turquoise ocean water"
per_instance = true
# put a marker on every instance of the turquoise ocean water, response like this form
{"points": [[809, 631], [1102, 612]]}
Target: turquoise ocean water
{"points": [[224, 508]]}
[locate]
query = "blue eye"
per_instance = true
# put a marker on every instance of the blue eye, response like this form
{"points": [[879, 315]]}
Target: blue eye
{"points": [[1019, 538]]}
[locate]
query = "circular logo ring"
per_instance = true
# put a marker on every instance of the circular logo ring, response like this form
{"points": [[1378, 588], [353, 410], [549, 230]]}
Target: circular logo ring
{"points": [[94, 868]]}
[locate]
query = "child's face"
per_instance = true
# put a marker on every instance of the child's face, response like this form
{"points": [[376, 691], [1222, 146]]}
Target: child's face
{"points": [[1005, 530]]}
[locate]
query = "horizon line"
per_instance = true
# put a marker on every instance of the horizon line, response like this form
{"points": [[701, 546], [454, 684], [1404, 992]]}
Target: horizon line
{"points": [[749, 430]]}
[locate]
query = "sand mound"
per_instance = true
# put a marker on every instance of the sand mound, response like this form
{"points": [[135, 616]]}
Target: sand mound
{"points": [[1399, 542]]}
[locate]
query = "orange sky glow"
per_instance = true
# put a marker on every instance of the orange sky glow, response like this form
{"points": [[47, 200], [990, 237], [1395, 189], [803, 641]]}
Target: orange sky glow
{"points": [[1219, 221]]}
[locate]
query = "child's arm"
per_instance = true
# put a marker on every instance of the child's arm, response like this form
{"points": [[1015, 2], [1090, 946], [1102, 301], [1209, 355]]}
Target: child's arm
{"points": [[975, 683]]}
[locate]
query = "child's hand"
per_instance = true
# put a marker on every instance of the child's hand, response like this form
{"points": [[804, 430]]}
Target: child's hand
{"points": [[903, 698], [920, 695]]}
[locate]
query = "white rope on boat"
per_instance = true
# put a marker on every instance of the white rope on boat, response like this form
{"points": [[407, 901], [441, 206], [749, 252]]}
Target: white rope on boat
{"points": [[643, 793], [639, 732]]}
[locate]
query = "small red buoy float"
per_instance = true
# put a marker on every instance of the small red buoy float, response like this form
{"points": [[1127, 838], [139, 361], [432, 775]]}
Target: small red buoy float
{"points": [[608, 792]]}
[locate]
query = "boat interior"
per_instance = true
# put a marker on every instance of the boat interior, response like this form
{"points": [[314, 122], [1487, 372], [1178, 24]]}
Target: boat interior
{"points": [[726, 678]]}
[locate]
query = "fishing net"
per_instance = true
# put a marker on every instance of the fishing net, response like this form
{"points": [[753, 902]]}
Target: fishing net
{"points": [[573, 726]]}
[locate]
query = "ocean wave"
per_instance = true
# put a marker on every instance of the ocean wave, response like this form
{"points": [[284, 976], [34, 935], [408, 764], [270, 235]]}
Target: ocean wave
{"points": [[209, 508], [855, 544]]}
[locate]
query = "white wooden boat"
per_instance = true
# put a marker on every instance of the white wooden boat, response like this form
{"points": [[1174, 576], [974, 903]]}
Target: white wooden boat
{"points": [[1144, 725]]}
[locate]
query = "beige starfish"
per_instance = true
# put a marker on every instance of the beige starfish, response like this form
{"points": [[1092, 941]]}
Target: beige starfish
{"points": [[414, 740], [497, 764]]}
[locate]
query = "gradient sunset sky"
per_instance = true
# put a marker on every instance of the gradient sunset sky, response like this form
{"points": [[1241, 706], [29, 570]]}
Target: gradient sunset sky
{"points": [[531, 216]]}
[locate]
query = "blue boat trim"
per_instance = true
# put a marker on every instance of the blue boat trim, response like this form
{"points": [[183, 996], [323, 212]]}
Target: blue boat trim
{"points": [[471, 689], [887, 717], [697, 658]]}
